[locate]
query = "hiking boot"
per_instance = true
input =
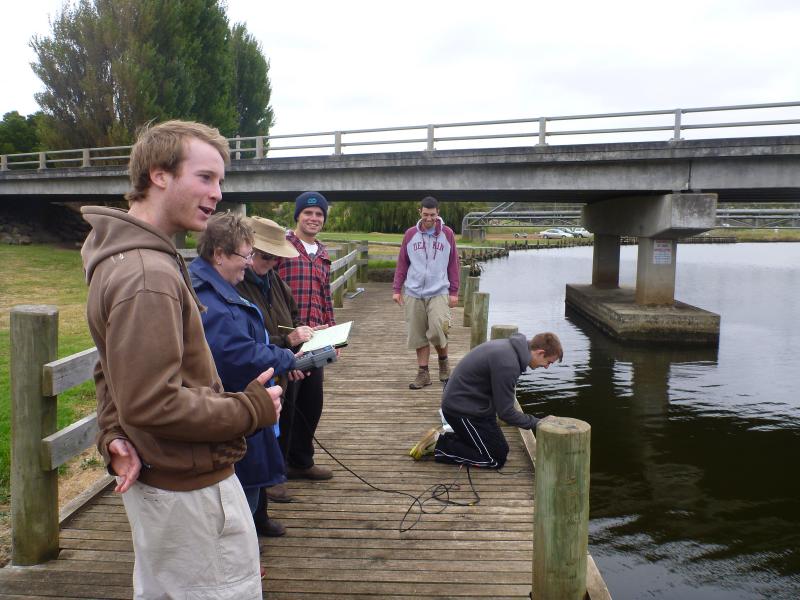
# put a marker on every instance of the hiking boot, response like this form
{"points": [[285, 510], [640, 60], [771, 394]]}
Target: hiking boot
{"points": [[427, 444], [314, 472], [278, 493], [444, 369], [270, 528], [422, 379]]}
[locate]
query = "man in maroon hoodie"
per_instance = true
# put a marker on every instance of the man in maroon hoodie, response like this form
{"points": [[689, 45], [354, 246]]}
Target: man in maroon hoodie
{"points": [[426, 285]]}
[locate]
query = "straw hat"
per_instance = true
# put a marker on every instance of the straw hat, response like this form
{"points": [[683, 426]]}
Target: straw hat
{"points": [[270, 237]]}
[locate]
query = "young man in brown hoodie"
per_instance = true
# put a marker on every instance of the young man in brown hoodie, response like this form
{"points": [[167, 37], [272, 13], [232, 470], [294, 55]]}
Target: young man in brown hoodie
{"points": [[168, 430]]}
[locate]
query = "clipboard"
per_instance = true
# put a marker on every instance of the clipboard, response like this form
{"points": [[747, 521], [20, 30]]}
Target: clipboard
{"points": [[335, 336]]}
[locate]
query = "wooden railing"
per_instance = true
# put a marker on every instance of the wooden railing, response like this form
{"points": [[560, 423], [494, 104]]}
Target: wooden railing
{"points": [[36, 381], [37, 449]]}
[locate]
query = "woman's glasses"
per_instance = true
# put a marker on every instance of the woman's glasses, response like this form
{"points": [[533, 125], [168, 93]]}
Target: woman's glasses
{"points": [[266, 256], [247, 258]]}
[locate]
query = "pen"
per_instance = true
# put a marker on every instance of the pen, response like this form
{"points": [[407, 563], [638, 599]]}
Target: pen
{"points": [[289, 328]]}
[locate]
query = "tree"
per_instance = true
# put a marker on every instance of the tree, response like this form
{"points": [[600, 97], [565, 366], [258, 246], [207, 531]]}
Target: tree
{"points": [[252, 91], [110, 66], [18, 134]]}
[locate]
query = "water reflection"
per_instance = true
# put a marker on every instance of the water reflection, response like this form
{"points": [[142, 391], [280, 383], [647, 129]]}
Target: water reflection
{"points": [[694, 451]]}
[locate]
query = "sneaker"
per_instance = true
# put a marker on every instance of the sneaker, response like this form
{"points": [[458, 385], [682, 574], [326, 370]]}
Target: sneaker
{"points": [[314, 472], [444, 370], [423, 378], [445, 425], [426, 444]]}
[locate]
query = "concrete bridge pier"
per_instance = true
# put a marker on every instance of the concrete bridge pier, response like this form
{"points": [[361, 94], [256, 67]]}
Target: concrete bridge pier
{"points": [[648, 313], [655, 271], [605, 261]]}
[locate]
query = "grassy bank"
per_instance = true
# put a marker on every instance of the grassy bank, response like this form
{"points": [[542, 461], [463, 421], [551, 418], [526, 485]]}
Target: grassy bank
{"points": [[41, 274]]}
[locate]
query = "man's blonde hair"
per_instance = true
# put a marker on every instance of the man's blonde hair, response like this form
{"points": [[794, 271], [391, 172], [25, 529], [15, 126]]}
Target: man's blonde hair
{"points": [[163, 146]]}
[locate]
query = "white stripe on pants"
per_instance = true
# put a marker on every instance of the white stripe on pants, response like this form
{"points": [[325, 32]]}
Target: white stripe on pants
{"points": [[198, 545]]}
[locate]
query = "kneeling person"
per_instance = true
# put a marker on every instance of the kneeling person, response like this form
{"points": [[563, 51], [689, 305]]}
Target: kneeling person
{"points": [[481, 389]]}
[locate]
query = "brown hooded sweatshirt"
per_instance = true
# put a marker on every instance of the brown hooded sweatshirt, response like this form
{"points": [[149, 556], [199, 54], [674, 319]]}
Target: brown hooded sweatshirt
{"points": [[156, 382]]}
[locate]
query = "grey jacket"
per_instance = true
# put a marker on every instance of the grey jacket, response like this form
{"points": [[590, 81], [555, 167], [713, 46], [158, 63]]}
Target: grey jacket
{"points": [[484, 382]]}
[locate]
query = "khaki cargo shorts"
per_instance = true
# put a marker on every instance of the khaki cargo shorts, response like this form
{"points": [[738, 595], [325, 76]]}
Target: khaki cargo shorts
{"points": [[428, 321]]}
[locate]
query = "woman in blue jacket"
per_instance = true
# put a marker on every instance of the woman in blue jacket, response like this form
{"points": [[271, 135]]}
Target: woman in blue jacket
{"points": [[234, 329]]}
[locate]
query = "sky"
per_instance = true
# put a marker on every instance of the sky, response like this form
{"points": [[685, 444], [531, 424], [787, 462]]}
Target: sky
{"points": [[365, 64]]}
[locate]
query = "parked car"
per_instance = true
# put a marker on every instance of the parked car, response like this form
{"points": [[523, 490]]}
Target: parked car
{"points": [[579, 232], [555, 234], [520, 234]]}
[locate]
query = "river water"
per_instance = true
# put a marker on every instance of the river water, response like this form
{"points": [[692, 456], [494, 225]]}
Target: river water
{"points": [[695, 489]]}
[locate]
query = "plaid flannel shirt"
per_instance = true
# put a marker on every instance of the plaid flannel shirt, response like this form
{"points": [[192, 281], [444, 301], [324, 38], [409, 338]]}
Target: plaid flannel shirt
{"points": [[310, 283]]}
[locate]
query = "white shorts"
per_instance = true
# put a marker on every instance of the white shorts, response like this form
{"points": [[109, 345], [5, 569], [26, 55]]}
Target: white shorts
{"points": [[198, 545]]}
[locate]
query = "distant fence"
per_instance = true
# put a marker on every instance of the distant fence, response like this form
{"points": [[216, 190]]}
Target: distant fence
{"points": [[531, 131]]}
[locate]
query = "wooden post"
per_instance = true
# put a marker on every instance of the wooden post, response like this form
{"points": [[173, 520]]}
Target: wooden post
{"points": [[501, 332], [473, 285], [351, 283], [34, 492], [480, 319], [363, 257], [561, 509], [463, 273], [338, 295]]}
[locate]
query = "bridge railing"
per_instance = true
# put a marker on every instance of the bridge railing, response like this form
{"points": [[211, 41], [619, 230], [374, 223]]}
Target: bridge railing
{"points": [[539, 131]]}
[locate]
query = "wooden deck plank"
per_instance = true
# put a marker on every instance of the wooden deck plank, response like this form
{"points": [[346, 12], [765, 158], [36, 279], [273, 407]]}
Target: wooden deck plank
{"points": [[345, 539]]}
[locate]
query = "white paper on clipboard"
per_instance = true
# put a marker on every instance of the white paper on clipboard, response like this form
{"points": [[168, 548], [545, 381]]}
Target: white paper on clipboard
{"points": [[335, 336]]}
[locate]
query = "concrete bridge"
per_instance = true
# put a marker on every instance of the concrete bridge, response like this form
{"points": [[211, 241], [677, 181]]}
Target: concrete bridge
{"points": [[657, 191], [736, 170]]}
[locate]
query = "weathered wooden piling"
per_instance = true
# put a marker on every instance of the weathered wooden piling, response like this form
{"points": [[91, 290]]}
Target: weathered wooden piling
{"points": [[463, 273], [473, 283], [34, 519], [480, 318], [561, 509], [499, 332]]}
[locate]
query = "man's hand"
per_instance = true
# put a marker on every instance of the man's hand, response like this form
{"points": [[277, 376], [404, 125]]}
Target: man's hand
{"points": [[265, 376], [275, 393], [453, 301], [125, 463], [297, 374], [300, 335], [398, 299]]}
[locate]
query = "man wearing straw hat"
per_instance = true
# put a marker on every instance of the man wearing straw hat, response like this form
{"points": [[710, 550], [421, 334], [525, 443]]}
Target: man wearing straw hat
{"points": [[263, 287]]}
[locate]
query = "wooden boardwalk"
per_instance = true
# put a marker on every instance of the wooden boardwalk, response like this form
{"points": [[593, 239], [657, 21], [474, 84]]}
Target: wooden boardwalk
{"points": [[344, 539]]}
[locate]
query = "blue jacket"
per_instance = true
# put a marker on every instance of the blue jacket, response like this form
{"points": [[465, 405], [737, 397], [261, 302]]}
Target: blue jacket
{"points": [[235, 333]]}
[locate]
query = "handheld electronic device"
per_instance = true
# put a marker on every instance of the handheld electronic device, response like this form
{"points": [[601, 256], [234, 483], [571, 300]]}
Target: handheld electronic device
{"points": [[316, 358]]}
